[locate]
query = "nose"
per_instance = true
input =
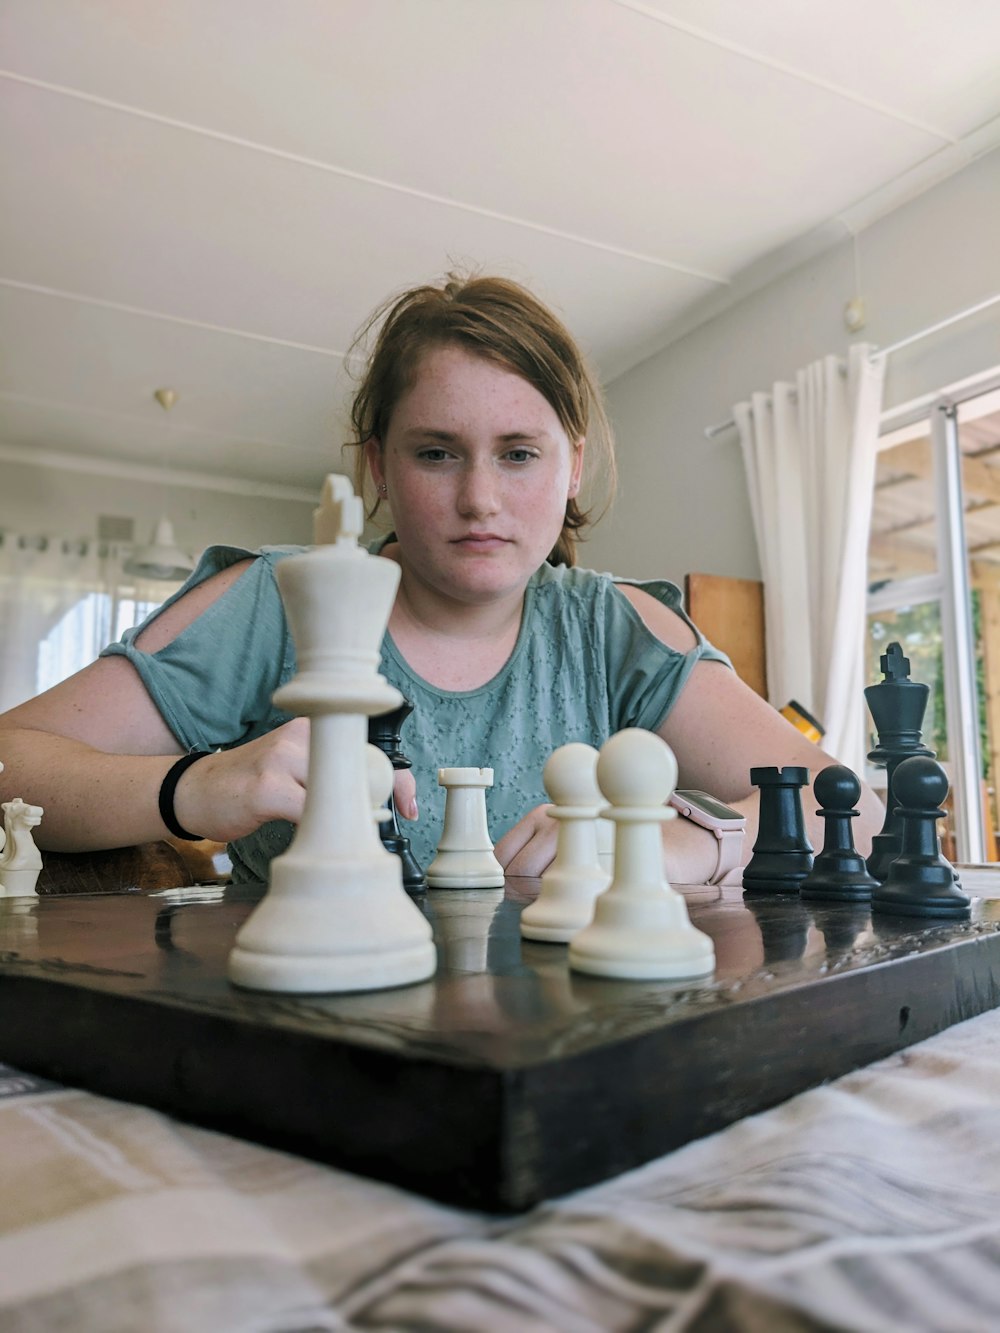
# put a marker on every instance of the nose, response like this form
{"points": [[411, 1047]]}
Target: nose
{"points": [[479, 494]]}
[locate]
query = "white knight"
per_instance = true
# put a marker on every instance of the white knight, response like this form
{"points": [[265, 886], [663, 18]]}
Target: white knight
{"points": [[20, 860]]}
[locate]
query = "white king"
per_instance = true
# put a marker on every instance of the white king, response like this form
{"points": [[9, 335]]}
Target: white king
{"points": [[336, 916]]}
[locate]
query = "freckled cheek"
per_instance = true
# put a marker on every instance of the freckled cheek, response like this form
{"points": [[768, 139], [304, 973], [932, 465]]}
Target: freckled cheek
{"points": [[424, 505]]}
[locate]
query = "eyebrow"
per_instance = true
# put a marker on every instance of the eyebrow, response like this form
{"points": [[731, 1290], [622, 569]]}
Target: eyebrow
{"points": [[447, 436]]}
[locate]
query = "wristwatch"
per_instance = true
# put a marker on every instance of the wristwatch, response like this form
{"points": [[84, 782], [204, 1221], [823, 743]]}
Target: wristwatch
{"points": [[726, 823]]}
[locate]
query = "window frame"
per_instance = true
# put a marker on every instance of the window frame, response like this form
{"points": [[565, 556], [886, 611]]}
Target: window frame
{"points": [[950, 586]]}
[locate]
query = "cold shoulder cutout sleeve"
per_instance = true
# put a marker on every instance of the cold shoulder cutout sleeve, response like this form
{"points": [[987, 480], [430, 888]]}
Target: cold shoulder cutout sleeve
{"points": [[213, 683]]}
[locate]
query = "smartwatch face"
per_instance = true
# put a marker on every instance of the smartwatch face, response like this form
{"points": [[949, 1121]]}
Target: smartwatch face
{"points": [[711, 807]]}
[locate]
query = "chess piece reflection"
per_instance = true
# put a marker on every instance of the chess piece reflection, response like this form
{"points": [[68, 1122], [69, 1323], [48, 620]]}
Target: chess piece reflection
{"points": [[462, 921], [18, 923], [784, 928], [843, 925]]}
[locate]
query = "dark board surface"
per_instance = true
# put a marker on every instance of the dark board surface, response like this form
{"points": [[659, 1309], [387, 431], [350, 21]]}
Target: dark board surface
{"points": [[507, 1078]]}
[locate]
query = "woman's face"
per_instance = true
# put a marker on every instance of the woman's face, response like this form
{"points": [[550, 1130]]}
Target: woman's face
{"points": [[478, 470]]}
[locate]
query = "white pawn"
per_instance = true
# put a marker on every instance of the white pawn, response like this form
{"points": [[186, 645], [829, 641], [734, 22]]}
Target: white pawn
{"points": [[21, 860], [640, 928], [465, 857], [606, 844], [576, 876]]}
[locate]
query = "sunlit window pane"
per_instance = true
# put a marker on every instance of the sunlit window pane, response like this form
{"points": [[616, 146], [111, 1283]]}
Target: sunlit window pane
{"points": [[903, 542], [77, 638]]}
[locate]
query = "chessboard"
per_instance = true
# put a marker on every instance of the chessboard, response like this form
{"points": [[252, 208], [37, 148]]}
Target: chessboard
{"points": [[506, 1078]]}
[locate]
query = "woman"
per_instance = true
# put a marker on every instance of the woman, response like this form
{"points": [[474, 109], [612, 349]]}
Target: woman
{"points": [[473, 422]]}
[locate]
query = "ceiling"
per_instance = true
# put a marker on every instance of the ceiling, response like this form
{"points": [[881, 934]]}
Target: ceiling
{"points": [[213, 194]]}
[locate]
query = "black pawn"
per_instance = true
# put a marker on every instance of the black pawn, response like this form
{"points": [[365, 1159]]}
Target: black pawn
{"points": [[839, 872], [384, 733], [782, 854], [897, 705], [920, 881]]}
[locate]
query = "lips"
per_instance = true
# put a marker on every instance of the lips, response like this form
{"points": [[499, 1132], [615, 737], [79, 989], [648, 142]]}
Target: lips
{"points": [[481, 541]]}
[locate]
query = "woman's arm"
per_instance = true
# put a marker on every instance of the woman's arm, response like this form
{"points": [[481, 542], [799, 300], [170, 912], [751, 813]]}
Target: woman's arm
{"points": [[718, 729], [93, 751]]}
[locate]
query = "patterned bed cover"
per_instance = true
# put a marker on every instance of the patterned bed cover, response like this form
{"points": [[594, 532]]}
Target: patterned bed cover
{"points": [[869, 1203]]}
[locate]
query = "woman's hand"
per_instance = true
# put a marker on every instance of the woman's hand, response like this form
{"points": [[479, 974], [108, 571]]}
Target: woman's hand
{"points": [[690, 852], [404, 793], [231, 793], [529, 847]]}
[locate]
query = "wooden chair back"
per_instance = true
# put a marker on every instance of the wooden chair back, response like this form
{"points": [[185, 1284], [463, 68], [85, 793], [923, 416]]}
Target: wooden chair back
{"points": [[730, 613], [150, 865]]}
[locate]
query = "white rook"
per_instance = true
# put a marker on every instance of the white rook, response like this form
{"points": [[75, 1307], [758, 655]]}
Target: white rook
{"points": [[465, 857]]}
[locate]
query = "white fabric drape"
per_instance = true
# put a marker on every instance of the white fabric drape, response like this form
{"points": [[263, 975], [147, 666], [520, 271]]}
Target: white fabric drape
{"points": [[60, 603], [809, 452]]}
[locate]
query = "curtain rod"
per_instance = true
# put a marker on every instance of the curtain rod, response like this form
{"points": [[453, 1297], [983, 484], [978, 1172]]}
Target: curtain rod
{"points": [[721, 427]]}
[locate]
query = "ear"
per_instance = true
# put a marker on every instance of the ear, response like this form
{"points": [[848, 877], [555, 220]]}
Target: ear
{"points": [[576, 469], [373, 457]]}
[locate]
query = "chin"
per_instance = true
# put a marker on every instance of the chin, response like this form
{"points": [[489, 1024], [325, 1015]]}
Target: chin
{"points": [[485, 585], [485, 590]]}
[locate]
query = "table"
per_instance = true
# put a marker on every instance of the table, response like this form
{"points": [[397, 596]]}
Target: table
{"points": [[506, 1079]]}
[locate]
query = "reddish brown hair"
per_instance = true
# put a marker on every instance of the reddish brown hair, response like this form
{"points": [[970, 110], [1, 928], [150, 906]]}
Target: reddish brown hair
{"points": [[502, 322]]}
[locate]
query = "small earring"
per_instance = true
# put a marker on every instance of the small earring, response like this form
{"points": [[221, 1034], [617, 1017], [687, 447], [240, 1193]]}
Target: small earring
{"points": [[383, 489]]}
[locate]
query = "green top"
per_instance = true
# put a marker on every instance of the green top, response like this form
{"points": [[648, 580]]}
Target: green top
{"points": [[584, 666]]}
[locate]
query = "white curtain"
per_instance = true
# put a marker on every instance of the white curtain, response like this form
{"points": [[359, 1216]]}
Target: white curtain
{"points": [[809, 451], [60, 603]]}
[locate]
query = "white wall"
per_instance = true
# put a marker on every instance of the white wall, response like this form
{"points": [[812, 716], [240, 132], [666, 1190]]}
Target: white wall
{"points": [[682, 499], [46, 500]]}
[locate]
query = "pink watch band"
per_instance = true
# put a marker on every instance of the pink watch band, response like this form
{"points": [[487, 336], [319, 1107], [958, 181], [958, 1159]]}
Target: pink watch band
{"points": [[730, 842]]}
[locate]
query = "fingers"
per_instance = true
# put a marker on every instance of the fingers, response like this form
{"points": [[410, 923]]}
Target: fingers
{"points": [[404, 793], [528, 848], [275, 768], [231, 793]]}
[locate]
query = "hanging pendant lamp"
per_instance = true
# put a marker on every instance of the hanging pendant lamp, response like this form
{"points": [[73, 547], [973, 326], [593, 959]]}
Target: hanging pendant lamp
{"points": [[162, 558]]}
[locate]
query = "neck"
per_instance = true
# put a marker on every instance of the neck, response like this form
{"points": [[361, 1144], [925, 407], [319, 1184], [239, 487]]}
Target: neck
{"points": [[453, 645], [419, 609]]}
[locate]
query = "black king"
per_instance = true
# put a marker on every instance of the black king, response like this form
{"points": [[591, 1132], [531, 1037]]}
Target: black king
{"points": [[897, 705]]}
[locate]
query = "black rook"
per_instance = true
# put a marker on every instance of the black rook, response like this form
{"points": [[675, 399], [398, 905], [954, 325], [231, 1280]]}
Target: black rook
{"points": [[782, 854]]}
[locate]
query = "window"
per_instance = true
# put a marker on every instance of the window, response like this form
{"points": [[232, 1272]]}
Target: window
{"points": [[81, 632], [934, 585], [60, 603]]}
